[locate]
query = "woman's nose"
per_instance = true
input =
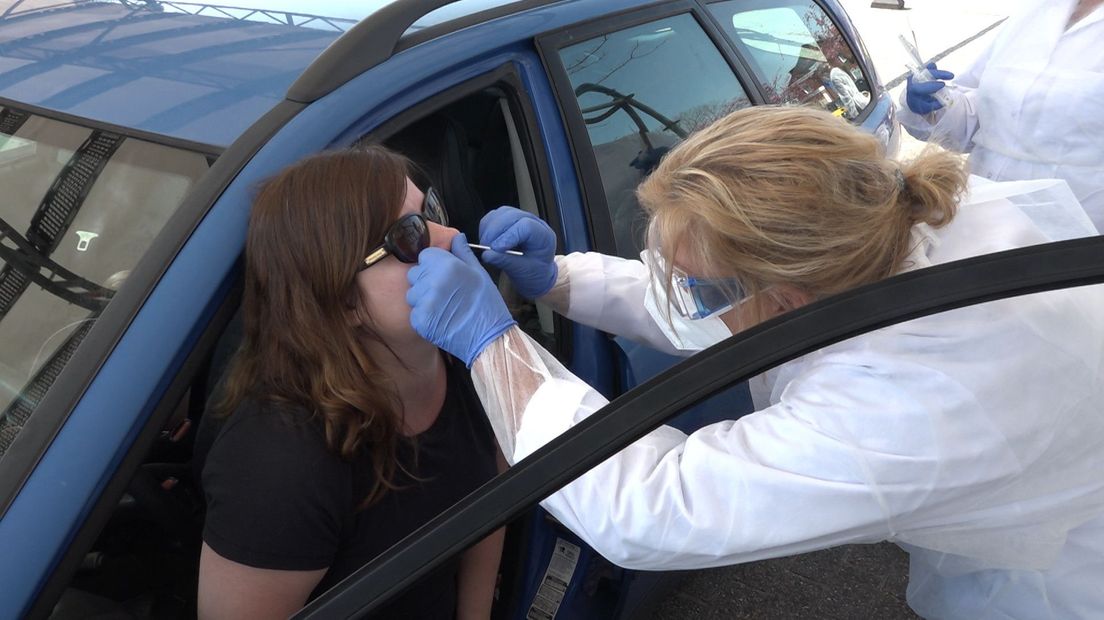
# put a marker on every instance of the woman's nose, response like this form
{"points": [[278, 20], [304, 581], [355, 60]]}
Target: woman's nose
{"points": [[441, 236]]}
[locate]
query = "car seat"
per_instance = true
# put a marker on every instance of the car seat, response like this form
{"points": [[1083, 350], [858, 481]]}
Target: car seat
{"points": [[440, 147]]}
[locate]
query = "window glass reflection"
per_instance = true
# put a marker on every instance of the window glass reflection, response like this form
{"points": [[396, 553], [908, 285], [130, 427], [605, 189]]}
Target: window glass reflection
{"points": [[642, 90], [797, 53]]}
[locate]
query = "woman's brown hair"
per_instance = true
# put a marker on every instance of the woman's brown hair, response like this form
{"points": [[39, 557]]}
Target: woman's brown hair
{"points": [[792, 195], [310, 228]]}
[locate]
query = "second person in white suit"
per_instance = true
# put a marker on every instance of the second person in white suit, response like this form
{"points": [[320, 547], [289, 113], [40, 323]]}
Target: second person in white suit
{"points": [[1032, 106]]}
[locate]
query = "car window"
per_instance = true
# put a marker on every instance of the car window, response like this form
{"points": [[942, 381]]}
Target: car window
{"points": [[640, 91], [797, 53], [80, 207]]}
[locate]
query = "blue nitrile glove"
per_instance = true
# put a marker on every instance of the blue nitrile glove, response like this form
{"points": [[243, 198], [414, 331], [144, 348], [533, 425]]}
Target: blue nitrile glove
{"points": [[918, 95], [453, 302], [508, 228]]}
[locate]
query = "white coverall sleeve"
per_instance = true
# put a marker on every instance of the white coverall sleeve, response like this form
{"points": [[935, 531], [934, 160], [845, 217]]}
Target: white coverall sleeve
{"points": [[609, 294], [731, 492]]}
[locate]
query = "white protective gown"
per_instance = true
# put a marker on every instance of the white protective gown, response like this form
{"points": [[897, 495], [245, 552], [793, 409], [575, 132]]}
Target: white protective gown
{"points": [[974, 439], [1032, 106]]}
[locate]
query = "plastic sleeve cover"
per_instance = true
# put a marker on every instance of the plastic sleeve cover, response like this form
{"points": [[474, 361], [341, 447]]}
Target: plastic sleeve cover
{"points": [[515, 375]]}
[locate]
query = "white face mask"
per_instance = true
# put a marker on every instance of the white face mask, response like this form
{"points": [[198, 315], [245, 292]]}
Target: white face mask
{"points": [[685, 334]]}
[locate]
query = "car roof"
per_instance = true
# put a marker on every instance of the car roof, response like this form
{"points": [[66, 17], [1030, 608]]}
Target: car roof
{"points": [[186, 70]]}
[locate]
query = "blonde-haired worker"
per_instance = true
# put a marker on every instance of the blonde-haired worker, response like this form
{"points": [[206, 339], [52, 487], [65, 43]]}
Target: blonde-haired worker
{"points": [[934, 434]]}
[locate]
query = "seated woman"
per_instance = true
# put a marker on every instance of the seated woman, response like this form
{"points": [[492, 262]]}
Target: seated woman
{"points": [[342, 429]]}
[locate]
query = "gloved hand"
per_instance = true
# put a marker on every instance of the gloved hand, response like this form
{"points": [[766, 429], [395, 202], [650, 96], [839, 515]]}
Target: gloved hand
{"points": [[919, 96], [508, 228], [453, 302]]}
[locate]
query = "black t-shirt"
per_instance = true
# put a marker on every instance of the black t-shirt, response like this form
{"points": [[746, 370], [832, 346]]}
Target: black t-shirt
{"points": [[278, 498]]}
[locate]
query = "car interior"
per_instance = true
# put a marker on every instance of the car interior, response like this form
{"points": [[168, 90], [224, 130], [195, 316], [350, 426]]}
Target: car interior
{"points": [[144, 562]]}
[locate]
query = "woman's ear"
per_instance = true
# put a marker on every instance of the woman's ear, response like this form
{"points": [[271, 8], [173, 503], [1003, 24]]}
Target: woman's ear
{"points": [[354, 315], [773, 301], [786, 297]]}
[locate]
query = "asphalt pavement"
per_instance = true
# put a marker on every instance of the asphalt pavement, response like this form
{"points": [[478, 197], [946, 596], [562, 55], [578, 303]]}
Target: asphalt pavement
{"points": [[852, 581]]}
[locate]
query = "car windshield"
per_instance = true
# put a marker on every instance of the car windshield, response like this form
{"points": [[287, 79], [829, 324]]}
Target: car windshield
{"points": [[80, 208]]}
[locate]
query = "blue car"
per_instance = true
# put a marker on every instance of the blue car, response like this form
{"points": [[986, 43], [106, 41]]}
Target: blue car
{"points": [[132, 133]]}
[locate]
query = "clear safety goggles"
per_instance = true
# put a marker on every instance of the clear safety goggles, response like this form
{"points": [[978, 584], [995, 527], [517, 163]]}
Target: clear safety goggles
{"points": [[691, 296], [698, 298]]}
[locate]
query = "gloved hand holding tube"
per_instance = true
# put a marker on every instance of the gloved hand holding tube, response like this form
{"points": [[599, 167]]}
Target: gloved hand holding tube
{"points": [[453, 302], [925, 93], [508, 228]]}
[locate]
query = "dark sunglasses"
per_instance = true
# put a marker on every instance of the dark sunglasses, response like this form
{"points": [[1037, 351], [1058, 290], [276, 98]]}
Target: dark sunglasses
{"points": [[409, 235]]}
